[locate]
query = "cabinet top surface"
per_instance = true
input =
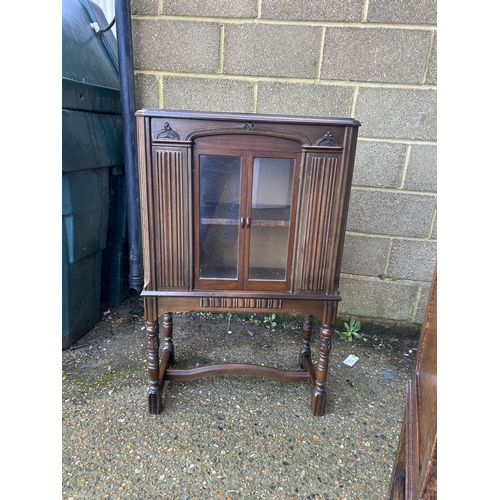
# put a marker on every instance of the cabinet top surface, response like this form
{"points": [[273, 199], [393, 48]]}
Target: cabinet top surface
{"points": [[253, 117]]}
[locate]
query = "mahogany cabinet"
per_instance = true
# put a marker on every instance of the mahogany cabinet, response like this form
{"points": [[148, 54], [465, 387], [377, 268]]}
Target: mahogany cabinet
{"points": [[242, 213], [414, 475]]}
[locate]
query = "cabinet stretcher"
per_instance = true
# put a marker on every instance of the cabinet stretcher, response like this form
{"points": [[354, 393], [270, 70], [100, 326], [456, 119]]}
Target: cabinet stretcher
{"points": [[160, 369]]}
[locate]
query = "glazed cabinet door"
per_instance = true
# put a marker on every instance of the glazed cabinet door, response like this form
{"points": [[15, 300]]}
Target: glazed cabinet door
{"points": [[270, 221], [244, 213], [217, 202]]}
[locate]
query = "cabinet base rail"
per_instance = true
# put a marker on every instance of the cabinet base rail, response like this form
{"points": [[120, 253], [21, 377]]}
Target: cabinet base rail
{"points": [[241, 369], [237, 369]]}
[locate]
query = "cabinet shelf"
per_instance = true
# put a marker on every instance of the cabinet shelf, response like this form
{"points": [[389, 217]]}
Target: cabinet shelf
{"points": [[236, 222], [261, 217]]}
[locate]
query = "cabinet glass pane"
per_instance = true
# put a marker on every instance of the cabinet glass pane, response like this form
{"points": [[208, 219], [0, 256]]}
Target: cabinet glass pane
{"points": [[220, 181], [272, 187]]}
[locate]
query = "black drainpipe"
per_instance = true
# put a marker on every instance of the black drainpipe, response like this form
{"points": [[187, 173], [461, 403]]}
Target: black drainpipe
{"points": [[127, 93]]}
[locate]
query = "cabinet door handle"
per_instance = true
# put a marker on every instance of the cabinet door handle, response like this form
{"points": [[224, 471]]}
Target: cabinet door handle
{"points": [[244, 222]]}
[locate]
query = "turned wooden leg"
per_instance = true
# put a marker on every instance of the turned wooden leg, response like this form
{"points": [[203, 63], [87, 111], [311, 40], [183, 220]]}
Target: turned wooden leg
{"points": [[318, 402], [152, 329], [168, 346], [306, 337]]}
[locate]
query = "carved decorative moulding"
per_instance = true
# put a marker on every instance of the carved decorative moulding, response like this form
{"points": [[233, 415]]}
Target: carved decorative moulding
{"points": [[328, 140], [167, 133], [241, 303], [248, 126]]}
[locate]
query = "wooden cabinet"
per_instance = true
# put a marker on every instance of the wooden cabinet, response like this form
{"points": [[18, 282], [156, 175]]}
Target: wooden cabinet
{"points": [[414, 475], [243, 213]]}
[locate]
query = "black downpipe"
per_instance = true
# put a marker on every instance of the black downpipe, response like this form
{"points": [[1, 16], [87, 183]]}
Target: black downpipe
{"points": [[127, 94]]}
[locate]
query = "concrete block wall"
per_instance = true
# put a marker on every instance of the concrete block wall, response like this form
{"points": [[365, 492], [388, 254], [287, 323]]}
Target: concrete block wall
{"points": [[373, 60]]}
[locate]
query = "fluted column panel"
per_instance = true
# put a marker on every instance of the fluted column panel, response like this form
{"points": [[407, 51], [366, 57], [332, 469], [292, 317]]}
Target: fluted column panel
{"points": [[316, 219], [170, 178]]}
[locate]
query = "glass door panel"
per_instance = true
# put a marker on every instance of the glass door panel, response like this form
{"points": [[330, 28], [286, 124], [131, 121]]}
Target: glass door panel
{"points": [[220, 193], [272, 188]]}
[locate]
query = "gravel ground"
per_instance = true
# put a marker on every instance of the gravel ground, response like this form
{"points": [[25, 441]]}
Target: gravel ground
{"points": [[229, 437]]}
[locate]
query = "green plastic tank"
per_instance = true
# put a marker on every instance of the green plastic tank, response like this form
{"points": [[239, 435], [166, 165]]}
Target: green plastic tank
{"points": [[94, 237]]}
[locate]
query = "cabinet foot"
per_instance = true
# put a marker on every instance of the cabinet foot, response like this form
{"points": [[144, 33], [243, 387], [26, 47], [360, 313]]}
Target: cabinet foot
{"points": [[318, 404], [154, 401]]}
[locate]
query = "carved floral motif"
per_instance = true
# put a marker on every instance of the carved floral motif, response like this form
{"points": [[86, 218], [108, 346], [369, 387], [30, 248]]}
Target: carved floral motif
{"points": [[328, 140], [167, 133]]}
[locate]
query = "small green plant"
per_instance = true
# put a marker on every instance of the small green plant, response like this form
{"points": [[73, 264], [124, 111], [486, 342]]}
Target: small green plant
{"points": [[229, 316], [291, 322], [269, 321], [351, 330], [254, 319]]}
